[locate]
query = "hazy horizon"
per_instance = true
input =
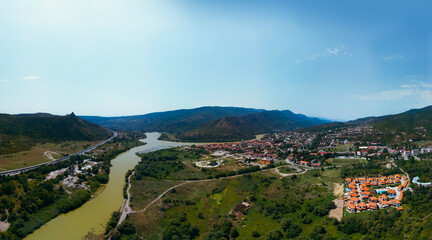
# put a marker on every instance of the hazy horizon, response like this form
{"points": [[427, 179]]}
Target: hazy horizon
{"points": [[138, 114], [334, 60]]}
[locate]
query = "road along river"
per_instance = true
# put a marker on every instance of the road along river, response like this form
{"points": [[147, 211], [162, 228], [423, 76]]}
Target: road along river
{"points": [[93, 215]]}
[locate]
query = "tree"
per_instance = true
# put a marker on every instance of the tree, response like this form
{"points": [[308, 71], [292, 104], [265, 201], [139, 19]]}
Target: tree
{"points": [[126, 228], [274, 235], [234, 233]]}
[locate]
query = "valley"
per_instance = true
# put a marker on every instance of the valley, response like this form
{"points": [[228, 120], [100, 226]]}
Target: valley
{"points": [[284, 183]]}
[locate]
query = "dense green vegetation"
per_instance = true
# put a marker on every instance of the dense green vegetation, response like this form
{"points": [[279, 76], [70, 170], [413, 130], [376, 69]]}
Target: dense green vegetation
{"points": [[21, 132], [421, 169], [77, 199], [112, 222], [373, 168]]}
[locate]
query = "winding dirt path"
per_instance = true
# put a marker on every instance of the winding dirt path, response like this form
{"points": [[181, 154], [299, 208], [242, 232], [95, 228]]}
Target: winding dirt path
{"points": [[126, 209]]}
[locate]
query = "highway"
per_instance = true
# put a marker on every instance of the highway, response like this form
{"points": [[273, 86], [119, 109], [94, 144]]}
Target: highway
{"points": [[21, 170]]}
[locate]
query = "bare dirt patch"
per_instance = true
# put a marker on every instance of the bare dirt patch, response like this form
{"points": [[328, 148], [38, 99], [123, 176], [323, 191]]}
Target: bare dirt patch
{"points": [[338, 212], [338, 192], [4, 226]]}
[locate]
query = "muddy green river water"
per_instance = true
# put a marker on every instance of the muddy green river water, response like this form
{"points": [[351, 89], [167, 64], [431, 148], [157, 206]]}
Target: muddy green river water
{"points": [[93, 215]]}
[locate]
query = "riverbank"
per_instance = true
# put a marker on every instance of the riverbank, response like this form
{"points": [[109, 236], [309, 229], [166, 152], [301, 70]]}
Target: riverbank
{"points": [[94, 214], [95, 184]]}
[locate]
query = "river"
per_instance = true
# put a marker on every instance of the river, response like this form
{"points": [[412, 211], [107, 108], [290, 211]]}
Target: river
{"points": [[93, 215]]}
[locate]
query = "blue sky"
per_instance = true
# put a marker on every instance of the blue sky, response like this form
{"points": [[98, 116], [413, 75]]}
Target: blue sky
{"points": [[332, 59]]}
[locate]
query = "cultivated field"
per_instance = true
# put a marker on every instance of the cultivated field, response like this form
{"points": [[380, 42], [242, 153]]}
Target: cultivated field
{"points": [[37, 154], [345, 161]]}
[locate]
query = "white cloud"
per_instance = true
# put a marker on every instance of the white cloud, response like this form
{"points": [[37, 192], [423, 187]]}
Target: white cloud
{"points": [[420, 90], [396, 56], [334, 51], [329, 52], [31, 77], [426, 85]]}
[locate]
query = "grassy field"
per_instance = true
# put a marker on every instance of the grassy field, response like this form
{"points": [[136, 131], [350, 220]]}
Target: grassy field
{"points": [[345, 161], [287, 170], [206, 204], [36, 154], [339, 148], [144, 191]]}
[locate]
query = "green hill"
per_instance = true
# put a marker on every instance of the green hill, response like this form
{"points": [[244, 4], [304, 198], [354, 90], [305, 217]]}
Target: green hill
{"points": [[415, 124], [245, 127], [21, 132]]}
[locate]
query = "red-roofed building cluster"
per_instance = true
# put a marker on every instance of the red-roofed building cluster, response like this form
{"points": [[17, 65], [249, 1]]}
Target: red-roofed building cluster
{"points": [[359, 196]]}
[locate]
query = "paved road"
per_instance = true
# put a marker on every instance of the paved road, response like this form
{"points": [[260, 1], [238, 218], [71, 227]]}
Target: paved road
{"points": [[408, 177], [21, 170]]}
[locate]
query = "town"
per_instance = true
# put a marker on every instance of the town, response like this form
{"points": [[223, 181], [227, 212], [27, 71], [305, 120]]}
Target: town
{"points": [[314, 148], [341, 148]]}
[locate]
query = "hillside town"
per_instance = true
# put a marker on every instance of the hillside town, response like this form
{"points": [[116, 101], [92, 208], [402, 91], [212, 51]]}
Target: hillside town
{"points": [[312, 149]]}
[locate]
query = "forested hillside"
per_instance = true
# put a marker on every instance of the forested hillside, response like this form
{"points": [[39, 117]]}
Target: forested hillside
{"points": [[21, 132]]}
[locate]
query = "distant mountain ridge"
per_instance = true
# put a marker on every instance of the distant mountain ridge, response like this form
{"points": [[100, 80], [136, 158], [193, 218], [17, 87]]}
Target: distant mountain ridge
{"points": [[175, 121], [22, 131], [210, 123], [247, 126]]}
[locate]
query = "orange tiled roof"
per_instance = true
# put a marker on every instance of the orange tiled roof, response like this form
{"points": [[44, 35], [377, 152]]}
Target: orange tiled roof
{"points": [[373, 205], [400, 196], [353, 194], [351, 206], [361, 205]]}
